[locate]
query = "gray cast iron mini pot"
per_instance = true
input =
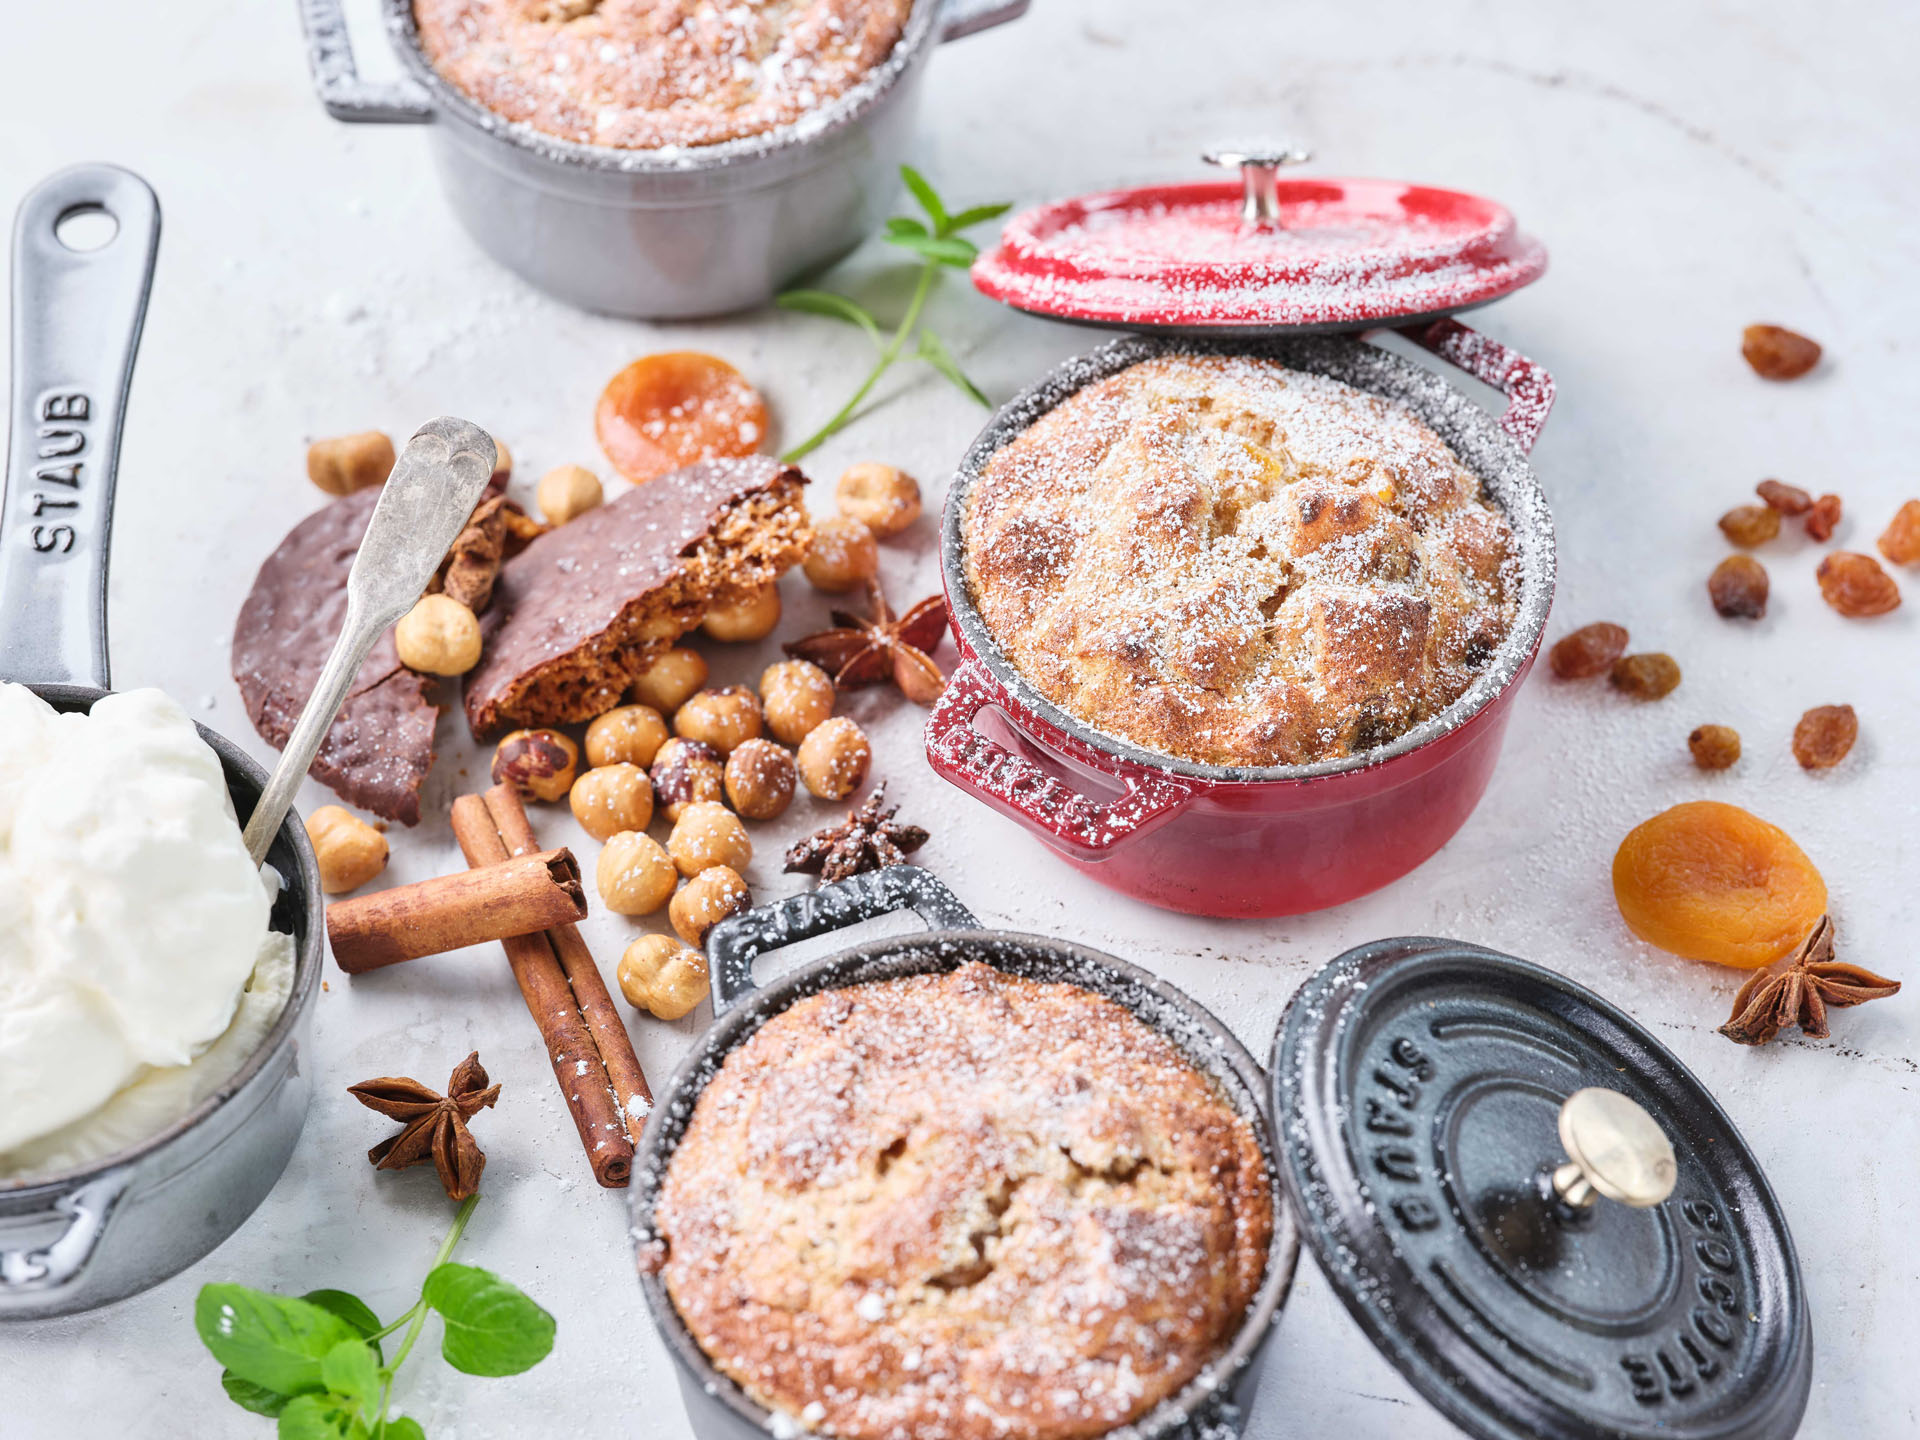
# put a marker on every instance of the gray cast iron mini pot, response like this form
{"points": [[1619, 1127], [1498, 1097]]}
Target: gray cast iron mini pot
{"points": [[81, 1239], [654, 234], [1209, 1407]]}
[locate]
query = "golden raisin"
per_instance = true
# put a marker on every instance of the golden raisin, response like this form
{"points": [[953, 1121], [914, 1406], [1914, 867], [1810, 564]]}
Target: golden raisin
{"points": [[1714, 882], [1824, 736], [1739, 586], [1750, 525], [1855, 585], [1787, 499], [1714, 747], [1645, 677], [1823, 518], [1900, 542], [1587, 651], [1777, 353]]}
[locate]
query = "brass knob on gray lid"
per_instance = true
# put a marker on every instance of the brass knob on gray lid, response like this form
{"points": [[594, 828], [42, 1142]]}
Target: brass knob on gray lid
{"points": [[1260, 179], [1614, 1148]]}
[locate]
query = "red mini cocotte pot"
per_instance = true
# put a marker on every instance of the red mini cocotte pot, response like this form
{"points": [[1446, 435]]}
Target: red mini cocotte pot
{"points": [[1238, 840]]}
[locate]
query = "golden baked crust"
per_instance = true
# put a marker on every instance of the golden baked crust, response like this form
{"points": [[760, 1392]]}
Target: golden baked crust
{"points": [[965, 1206], [646, 74], [1222, 559]]}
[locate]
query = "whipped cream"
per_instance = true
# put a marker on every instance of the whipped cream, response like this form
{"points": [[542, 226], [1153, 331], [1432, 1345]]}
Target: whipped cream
{"points": [[131, 922]]}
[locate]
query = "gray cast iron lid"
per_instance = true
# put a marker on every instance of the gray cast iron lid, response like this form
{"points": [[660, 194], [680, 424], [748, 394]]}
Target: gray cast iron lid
{"points": [[1418, 1086]]}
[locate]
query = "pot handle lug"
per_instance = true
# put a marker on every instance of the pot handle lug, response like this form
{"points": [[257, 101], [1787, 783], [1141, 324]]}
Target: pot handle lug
{"points": [[735, 944], [34, 1272], [1076, 826], [960, 18], [342, 92], [76, 329], [1527, 386]]}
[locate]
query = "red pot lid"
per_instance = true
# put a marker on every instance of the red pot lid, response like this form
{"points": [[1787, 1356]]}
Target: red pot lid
{"points": [[1264, 255]]}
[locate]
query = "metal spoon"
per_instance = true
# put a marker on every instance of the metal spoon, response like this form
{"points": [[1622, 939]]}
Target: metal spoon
{"points": [[425, 503]]}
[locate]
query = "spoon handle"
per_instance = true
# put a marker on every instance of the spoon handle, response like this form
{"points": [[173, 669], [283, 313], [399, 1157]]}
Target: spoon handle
{"points": [[434, 486]]}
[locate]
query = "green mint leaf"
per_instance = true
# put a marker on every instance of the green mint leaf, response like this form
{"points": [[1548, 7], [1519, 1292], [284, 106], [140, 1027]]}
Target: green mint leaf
{"points": [[350, 1369], [929, 200], [249, 1396], [976, 214], [321, 1417], [492, 1328], [271, 1340], [350, 1308], [905, 225], [942, 249], [835, 307], [936, 354], [402, 1427]]}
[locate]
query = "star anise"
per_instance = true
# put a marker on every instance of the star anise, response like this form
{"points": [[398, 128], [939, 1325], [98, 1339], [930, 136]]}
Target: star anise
{"points": [[1801, 992], [436, 1125], [868, 839], [881, 646]]}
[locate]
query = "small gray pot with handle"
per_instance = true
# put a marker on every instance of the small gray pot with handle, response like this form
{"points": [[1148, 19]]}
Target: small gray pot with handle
{"points": [[654, 234]]}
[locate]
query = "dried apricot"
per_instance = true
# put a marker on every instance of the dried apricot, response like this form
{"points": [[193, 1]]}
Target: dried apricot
{"points": [[1750, 525], [1900, 541], [1823, 518], [1645, 677], [1587, 651], [1739, 587], [1855, 585], [1824, 736], [1715, 882], [1714, 747], [1787, 499], [665, 411], [1777, 353]]}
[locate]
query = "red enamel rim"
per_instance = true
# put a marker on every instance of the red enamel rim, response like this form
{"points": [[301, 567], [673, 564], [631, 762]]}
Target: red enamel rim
{"points": [[1347, 253]]}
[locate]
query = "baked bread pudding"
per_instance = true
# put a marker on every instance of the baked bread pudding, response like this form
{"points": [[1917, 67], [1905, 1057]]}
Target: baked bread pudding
{"points": [[1225, 560], [648, 74], [961, 1206]]}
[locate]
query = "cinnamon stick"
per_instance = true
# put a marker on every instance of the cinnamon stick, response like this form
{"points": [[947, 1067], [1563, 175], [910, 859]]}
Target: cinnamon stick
{"points": [[518, 896], [550, 1000], [589, 986]]}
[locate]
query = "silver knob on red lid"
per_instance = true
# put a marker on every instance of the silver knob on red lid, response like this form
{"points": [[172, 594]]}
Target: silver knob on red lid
{"points": [[1614, 1148], [1260, 178]]}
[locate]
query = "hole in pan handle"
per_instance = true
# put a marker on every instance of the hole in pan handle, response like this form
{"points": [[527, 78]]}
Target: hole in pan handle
{"points": [[52, 1267], [336, 79], [735, 944], [1527, 386], [1073, 824]]}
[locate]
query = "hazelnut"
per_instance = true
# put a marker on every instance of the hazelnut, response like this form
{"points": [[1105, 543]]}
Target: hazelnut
{"points": [[708, 834], [663, 977], [502, 465], [686, 771], [350, 851], [720, 718], [841, 555], [751, 617], [759, 778], [439, 636], [833, 760], [633, 874], [705, 900], [348, 463], [612, 798], [567, 492], [795, 696], [540, 764], [633, 734], [666, 684], [884, 498]]}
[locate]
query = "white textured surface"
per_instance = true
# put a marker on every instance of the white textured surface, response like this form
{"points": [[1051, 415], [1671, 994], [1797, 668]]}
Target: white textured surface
{"points": [[1692, 168]]}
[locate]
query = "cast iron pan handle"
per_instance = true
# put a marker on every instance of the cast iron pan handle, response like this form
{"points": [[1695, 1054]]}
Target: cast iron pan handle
{"points": [[76, 327], [735, 944], [961, 18], [1071, 823], [34, 1272], [1528, 388], [344, 94]]}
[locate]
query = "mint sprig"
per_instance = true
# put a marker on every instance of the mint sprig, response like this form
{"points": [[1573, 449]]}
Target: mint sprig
{"points": [[315, 1363], [940, 245]]}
